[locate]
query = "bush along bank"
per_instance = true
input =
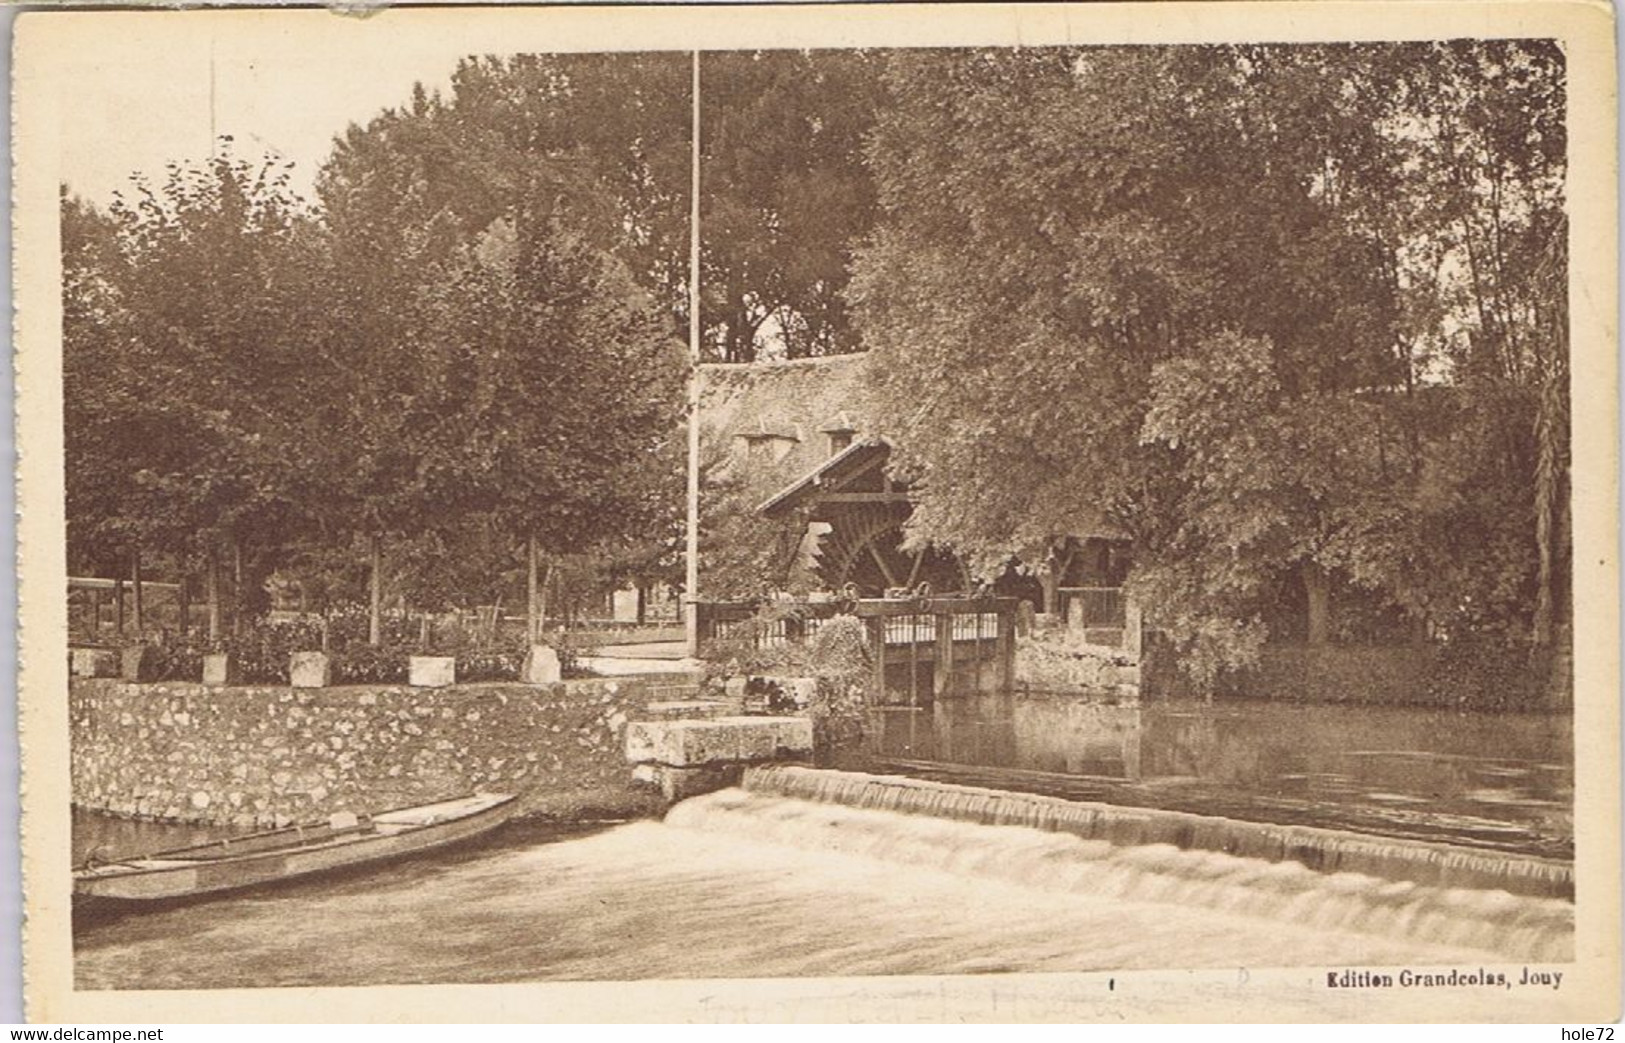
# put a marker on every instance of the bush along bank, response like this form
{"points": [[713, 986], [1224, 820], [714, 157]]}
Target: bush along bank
{"points": [[1480, 675], [824, 677]]}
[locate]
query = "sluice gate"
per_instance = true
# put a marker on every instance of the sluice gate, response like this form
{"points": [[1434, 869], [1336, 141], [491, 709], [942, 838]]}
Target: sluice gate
{"points": [[920, 648]]}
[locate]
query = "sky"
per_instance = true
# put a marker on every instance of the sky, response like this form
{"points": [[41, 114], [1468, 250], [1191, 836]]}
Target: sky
{"points": [[141, 100]]}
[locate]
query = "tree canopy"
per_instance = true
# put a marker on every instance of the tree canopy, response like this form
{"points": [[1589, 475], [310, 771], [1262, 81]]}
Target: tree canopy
{"points": [[247, 373], [1290, 318], [785, 196], [188, 313], [1254, 307]]}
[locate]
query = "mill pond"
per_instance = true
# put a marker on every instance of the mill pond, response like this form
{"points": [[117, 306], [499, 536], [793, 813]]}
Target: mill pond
{"points": [[752, 882]]}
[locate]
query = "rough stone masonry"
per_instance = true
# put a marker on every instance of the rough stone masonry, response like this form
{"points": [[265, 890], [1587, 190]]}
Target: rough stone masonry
{"points": [[270, 755]]}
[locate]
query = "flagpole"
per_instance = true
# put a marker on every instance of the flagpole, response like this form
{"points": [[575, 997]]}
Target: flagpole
{"points": [[692, 580]]}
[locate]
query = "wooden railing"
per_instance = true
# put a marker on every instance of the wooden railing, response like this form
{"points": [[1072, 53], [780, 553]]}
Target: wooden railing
{"points": [[103, 611]]}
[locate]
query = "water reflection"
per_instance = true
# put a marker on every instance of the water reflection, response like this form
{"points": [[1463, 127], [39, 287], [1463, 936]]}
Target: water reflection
{"points": [[1502, 781], [105, 837]]}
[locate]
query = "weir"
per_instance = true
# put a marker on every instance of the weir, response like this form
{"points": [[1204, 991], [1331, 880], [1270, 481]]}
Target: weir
{"points": [[1032, 849], [1323, 850]]}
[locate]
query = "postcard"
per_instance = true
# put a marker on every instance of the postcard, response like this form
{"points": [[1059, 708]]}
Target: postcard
{"points": [[819, 513]]}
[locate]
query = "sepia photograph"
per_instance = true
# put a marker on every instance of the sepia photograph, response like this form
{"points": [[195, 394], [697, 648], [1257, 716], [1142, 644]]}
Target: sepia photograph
{"points": [[1044, 504]]}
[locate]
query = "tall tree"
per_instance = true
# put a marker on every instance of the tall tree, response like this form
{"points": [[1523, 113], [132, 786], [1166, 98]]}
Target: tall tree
{"points": [[786, 195], [188, 309], [1192, 292], [561, 383]]}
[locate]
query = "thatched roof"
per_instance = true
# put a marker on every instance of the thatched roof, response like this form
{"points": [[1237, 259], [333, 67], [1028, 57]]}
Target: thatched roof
{"points": [[798, 405], [800, 402]]}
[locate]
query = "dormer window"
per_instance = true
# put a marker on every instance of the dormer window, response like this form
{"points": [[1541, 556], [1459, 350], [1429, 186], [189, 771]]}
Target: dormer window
{"points": [[766, 448], [840, 430], [767, 439]]}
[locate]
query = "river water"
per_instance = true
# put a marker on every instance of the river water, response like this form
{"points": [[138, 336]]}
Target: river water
{"points": [[1487, 780], [743, 884]]}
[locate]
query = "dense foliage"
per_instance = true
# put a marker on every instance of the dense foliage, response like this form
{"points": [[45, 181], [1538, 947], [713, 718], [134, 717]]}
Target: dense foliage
{"points": [[241, 389], [785, 197], [1292, 318]]}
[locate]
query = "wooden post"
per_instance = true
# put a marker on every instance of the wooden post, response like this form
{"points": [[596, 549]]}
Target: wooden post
{"points": [[691, 590], [135, 590], [1007, 632], [913, 658], [375, 620], [877, 635], [212, 580], [183, 605], [980, 656], [944, 674], [533, 625], [118, 606]]}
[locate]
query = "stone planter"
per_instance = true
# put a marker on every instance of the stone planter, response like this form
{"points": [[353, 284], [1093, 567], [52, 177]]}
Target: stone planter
{"points": [[93, 662], [220, 669], [309, 670], [541, 666], [431, 671], [138, 663]]}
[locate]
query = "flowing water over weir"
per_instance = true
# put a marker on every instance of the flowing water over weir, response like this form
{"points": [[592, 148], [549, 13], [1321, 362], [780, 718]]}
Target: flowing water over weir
{"points": [[749, 883], [1424, 893], [1322, 849]]}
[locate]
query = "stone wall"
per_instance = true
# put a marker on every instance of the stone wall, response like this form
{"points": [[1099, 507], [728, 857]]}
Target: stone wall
{"points": [[267, 755], [1059, 659]]}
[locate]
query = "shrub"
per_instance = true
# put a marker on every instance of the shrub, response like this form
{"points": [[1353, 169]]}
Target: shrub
{"points": [[262, 649], [753, 648], [839, 650], [490, 664], [176, 659], [361, 663]]}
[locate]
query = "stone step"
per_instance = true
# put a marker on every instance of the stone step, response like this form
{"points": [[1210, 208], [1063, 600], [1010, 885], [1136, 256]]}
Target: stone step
{"points": [[722, 740], [687, 709], [674, 693]]}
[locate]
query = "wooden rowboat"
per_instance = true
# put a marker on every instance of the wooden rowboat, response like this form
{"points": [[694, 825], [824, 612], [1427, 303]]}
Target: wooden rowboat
{"points": [[261, 858]]}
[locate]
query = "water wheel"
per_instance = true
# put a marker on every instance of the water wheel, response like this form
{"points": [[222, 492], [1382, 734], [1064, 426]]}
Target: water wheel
{"points": [[869, 555]]}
